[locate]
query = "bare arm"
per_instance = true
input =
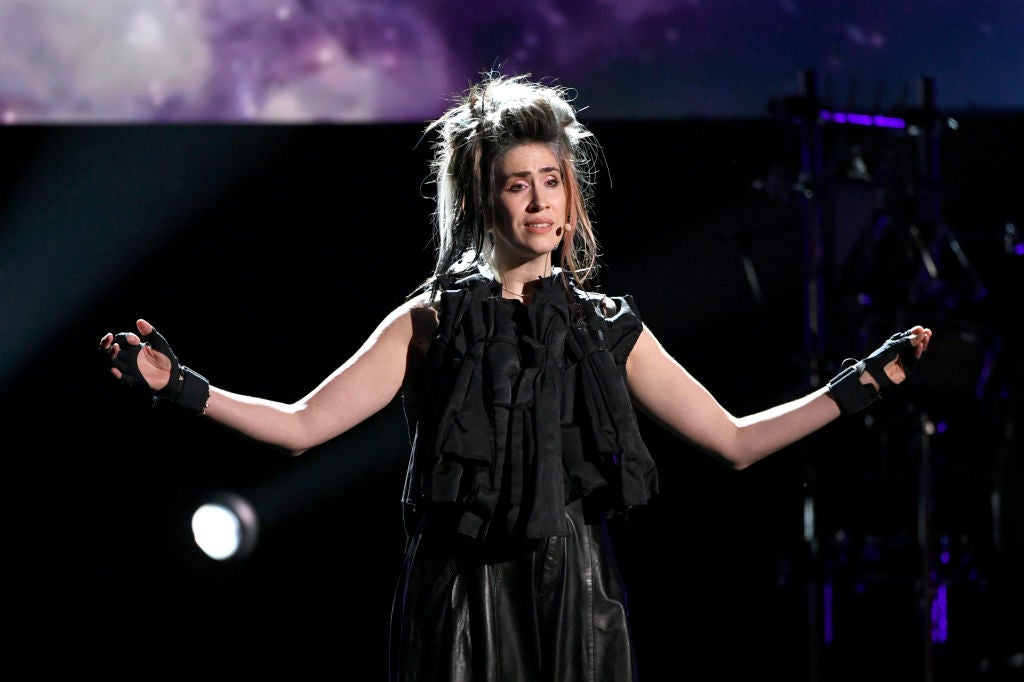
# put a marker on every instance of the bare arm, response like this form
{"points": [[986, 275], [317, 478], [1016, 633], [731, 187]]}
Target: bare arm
{"points": [[366, 383], [672, 396]]}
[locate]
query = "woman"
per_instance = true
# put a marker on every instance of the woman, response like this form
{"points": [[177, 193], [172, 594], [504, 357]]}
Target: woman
{"points": [[520, 382]]}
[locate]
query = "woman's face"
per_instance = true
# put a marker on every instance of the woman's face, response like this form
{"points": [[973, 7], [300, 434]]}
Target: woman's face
{"points": [[531, 206]]}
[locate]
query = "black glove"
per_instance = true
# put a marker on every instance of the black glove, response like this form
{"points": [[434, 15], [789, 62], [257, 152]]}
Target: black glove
{"points": [[185, 388], [846, 388]]}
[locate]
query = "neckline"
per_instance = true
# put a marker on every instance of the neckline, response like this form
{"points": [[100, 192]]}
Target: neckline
{"points": [[539, 285]]}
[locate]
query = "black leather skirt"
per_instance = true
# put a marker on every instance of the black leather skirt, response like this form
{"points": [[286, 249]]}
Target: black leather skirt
{"points": [[549, 610]]}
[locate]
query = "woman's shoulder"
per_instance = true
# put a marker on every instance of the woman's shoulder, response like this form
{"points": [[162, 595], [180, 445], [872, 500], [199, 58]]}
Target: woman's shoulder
{"points": [[415, 320], [433, 289], [416, 316], [421, 299], [422, 309]]}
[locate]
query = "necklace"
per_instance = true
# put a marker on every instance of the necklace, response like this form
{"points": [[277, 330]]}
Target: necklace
{"points": [[507, 290]]}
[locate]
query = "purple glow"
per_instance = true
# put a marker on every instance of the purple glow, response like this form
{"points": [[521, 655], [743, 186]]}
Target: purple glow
{"points": [[366, 60], [1018, 249], [827, 612], [862, 119], [944, 557], [940, 620], [889, 122]]}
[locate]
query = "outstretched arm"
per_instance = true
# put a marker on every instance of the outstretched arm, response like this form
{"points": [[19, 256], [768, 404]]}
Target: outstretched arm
{"points": [[673, 397], [363, 385]]}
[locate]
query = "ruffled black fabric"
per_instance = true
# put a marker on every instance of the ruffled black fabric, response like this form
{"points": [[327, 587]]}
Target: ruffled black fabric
{"points": [[521, 409]]}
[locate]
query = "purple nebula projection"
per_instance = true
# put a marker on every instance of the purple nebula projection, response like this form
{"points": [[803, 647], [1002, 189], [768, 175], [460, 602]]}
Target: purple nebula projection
{"points": [[401, 60]]}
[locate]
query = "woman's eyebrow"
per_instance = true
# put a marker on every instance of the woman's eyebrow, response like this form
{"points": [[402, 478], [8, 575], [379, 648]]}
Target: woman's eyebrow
{"points": [[527, 173]]}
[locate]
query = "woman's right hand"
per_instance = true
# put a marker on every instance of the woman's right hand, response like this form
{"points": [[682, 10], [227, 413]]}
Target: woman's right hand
{"points": [[134, 361]]}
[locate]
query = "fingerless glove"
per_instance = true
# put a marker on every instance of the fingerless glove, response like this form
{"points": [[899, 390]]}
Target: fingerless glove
{"points": [[186, 388], [846, 388]]}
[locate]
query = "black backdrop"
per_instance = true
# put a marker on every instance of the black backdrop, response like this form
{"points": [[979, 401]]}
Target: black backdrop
{"points": [[266, 254]]}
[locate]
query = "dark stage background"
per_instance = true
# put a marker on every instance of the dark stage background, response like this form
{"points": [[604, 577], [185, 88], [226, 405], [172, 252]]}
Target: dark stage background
{"points": [[266, 254]]}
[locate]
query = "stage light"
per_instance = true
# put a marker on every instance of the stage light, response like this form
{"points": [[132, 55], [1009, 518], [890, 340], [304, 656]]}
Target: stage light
{"points": [[854, 118], [225, 527], [227, 524]]}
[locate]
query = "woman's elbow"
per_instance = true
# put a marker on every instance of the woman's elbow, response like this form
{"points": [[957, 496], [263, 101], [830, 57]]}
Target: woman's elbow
{"points": [[728, 457], [740, 458], [735, 461], [739, 464]]}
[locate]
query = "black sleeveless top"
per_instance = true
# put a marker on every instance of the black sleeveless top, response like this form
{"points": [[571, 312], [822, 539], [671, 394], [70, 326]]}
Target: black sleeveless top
{"points": [[519, 410]]}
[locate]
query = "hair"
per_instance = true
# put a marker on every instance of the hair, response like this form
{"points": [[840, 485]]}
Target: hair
{"points": [[486, 121]]}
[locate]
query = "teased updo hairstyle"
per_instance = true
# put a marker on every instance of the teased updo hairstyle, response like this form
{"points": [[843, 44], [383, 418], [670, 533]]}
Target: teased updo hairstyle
{"points": [[491, 117]]}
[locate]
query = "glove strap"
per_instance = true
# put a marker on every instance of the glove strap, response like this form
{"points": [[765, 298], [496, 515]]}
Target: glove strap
{"points": [[849, 393], [191, 391]]}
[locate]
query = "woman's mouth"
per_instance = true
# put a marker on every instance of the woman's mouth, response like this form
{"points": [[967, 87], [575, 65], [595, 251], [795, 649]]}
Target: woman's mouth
{"points": [[539, 228]]}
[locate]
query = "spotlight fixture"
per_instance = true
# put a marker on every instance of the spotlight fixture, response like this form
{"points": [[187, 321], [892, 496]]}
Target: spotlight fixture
{"points": [[225, 526]]}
